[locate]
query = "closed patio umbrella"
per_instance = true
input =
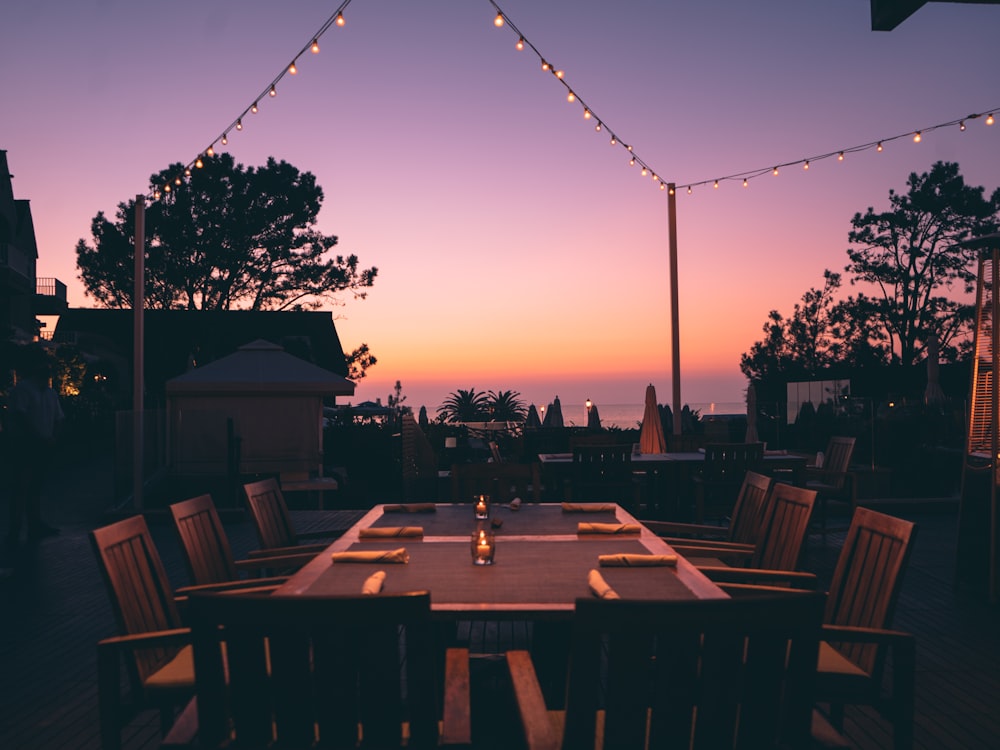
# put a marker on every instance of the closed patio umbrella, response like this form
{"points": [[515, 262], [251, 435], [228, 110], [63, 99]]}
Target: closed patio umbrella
{"points": [[751, 415], [593, 418], [532, 419], [553, 415], [651, 438]]}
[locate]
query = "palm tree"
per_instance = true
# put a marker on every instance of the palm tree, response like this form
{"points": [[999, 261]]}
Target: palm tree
{"points": [[464, 406], [506, 406]]}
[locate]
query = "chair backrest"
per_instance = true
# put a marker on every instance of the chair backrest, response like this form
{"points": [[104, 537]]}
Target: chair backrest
{"points": [[502, 482], [140, 593], [837, 459], [419, 462], [601, 472], [866, 582], [207, 552], [270, 514], [495, 452], [730, 673], [729, 462], [748, 514], [783, 533], [330, 665]]}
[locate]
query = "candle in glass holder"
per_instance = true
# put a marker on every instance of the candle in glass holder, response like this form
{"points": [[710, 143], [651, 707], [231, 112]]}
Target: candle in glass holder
{"points": [[483, 547], [481, 504]]}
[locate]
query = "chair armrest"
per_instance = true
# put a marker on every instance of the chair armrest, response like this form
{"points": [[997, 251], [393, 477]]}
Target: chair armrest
{"points": [[293, 561], [785, 578], [738, 590], [669, 529], [184, 729], [184, 591], [174, 637], [456, 724], [737, 548], [539, 734], [738, 551], [275, 551], [853, 634]]}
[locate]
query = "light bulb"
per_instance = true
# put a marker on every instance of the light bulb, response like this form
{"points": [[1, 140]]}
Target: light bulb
{"points": [[156, 195], [187, 171], [315, 46], [745, 182], [644, 172], [775, 172], [586, 114], [520, 43], [989, 119], [631, 162], [917, 137], [545, 65], [655, 178], [292, 69], [178, 181], [198, 163], [166, 188], [273, 91], [716, 185], [961, 126], [254, 108], [239, 124], [879, 147], [225, 139], [340, 19], [597, 127], [806, 165], [840, 156], [613, 140], [689, 190], [571, 97], [560, 74], [210, 151], [498, 21]]}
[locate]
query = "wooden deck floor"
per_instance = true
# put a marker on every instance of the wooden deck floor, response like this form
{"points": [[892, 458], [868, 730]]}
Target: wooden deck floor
{"points": [[54, 609]]}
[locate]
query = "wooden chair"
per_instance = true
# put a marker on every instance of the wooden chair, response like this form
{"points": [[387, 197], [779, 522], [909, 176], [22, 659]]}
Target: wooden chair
{"points": [[831, 480], [502, 482], [207, 552], [724, 673], [158, 657], [420, 472], [744, 525], [859, 610], [302, 672], [603, 473], [782, 535], [274, 524], [721, 476]]}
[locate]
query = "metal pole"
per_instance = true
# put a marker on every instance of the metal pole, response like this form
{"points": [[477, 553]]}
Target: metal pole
{"points": [[138, 303], [675, 327], [994, 419]]}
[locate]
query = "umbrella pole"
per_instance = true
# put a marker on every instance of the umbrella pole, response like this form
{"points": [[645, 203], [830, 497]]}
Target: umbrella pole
{"points": [[675, 329]]}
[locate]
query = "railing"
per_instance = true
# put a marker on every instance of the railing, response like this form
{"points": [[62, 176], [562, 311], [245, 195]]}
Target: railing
{"points": [[49, 287]]}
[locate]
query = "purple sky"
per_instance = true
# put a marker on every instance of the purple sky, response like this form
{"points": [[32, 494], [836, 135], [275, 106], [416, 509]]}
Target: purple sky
{"points": [[516, 248]]}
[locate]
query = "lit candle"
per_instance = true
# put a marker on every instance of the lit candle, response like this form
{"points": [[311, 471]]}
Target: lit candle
{"points": [[483, 547], [482, 506]]}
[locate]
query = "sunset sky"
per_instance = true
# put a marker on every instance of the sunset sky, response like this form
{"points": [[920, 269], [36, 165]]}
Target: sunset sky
{"points": [[516, 248]]}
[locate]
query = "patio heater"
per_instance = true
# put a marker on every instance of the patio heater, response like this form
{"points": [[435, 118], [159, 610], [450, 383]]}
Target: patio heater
{"points": [[976, 560]]}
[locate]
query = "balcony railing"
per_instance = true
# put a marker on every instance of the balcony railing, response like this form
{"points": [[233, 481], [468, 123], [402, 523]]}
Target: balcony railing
{"points": [[48, 287]]}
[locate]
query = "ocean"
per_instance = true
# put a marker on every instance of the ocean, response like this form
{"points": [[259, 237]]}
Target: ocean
{"points": [[628, 416]]}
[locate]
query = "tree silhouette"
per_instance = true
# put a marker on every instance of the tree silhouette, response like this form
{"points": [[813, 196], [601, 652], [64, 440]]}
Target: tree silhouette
{"points": [[465, 406]]}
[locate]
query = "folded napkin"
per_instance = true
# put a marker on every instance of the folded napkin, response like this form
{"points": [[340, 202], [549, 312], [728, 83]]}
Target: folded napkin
{"points": [[626, 560], [410, 508], [373, 583], [381, 532], [608, 528], [386, 556], [588, 507], [600, 587]]}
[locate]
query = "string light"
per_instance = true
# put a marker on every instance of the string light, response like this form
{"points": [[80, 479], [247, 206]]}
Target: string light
{"points": [[210, 151], [545, 65], [775, 172], [716, 185], [879, 147], [314, 46], [560, 74], [166, 188], [586, 114], [198, 163], [961, 126], [225, 139], [273, 92], [917, 137], [178, 181], [840, 156], [239, 124], [689, 190], [806, 165], [498, 21], [571, 97], [292, 69], [520, 44], [613, 140], [340, 18], [254, 108], [989, 119], [597, 127], [745, 182], [631, 162]]}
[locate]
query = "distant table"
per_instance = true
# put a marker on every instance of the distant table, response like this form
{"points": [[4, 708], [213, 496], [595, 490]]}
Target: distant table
{"points": [[541, 563]]}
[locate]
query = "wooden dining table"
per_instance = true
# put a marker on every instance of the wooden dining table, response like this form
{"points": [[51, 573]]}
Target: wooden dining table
{"points": [[540, 568]]}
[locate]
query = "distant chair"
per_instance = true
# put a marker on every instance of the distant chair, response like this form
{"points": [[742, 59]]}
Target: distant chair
{"points": [[721, 477], [502, 482], [420, 471], [274, 524], [831, 480], [603, 473]]}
